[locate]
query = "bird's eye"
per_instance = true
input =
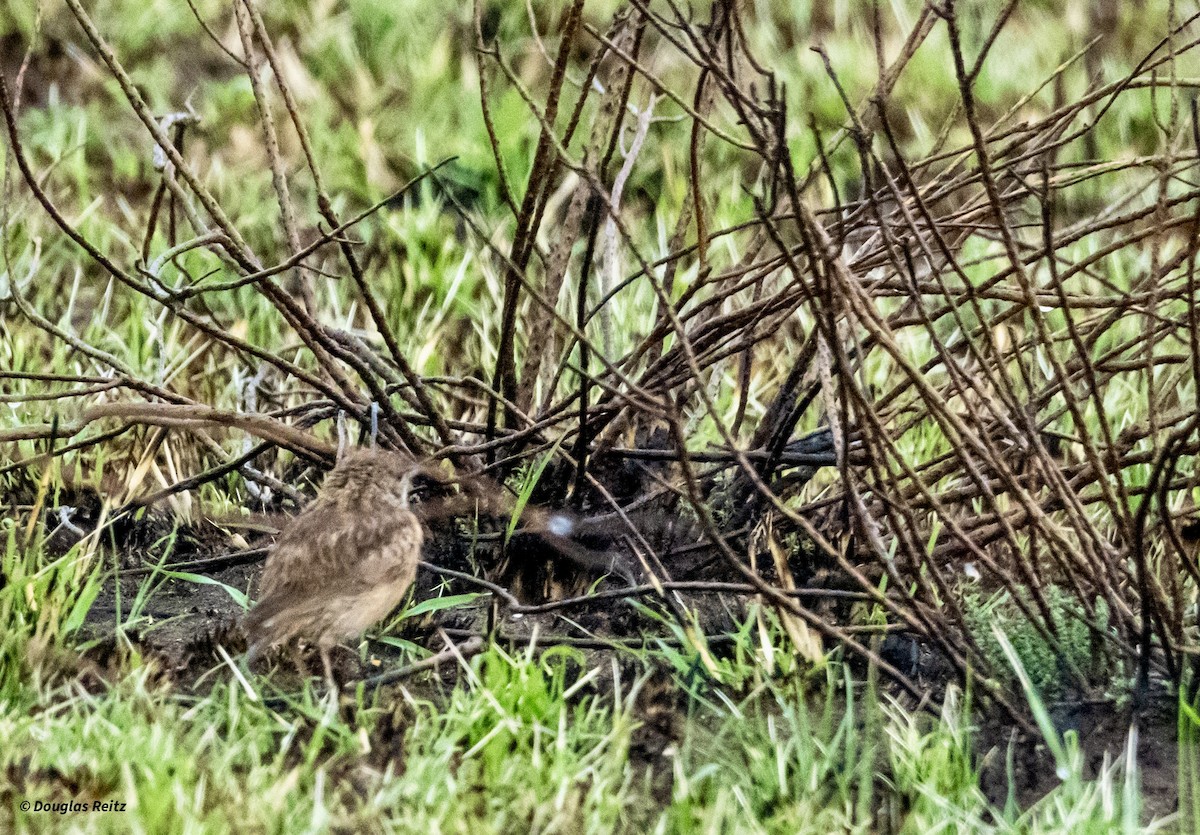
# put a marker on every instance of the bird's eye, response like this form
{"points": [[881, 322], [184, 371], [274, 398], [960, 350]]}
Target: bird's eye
{"points": [[423, 488]]}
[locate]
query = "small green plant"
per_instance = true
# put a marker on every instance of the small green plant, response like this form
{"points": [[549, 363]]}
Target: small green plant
{"points": [[1050, 671], [1109, 803], [1189, 762]]}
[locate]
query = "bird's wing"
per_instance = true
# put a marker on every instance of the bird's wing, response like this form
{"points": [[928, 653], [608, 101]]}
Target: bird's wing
{"points": [[319, 549], [390, 554], [321, 566]]}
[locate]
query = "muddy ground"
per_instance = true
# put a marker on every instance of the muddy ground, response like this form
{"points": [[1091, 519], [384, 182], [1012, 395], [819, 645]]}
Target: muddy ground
{"points": [[183, 622]]}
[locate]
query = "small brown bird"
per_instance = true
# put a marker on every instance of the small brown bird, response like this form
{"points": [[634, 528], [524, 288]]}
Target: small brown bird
{"points": [[345, 561]]}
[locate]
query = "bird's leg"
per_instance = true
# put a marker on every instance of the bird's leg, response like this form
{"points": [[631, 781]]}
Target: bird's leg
{"points": [[298, 659], [325, 661]]}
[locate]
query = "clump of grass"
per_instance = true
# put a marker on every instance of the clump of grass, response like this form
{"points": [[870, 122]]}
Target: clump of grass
{"points": [[43, 604], [523, 746], [1189, 762]]}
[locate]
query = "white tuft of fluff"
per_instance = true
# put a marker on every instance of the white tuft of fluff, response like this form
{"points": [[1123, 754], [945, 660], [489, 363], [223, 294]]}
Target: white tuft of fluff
{"points": [[560, 524]]}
